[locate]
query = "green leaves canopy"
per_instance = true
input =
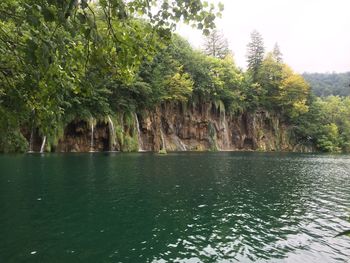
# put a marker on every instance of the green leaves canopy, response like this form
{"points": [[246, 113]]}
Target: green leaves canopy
{"points": [[62, 59]]}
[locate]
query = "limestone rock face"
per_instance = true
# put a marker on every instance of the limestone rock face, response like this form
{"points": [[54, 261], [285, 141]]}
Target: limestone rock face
{"points": [[78, 137], [178, 127], [203, 128]]}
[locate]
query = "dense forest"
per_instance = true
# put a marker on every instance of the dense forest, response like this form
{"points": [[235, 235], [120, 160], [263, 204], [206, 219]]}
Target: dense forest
{"points": [[327, 84], [67, 60]]}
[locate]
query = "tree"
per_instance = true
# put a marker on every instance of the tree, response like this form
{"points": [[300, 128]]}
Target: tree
{"points": [[270, 77], [62, 60], [327, 123], [326, 84], [277, 53], [216, 45], [181, 73], [255, 54], [293, 94]]}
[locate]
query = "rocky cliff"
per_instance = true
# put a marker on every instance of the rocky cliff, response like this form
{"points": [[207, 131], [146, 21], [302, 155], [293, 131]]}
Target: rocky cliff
{"points": [[176, 127], [205, 127]]}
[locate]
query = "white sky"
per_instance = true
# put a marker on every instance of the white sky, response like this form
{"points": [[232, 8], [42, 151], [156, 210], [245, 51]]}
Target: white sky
{"points": [[313, 35]]}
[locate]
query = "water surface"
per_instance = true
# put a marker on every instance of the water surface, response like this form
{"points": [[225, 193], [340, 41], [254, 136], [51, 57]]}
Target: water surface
{"points": [[180, 207]]}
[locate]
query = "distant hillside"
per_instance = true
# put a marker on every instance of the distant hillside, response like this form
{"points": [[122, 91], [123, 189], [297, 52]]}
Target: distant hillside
{"points": [[325, 84]]}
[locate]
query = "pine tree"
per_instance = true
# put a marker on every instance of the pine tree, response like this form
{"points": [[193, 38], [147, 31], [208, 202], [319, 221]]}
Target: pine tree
{"points": [[255, 54], [277, 54], [216, 45]]}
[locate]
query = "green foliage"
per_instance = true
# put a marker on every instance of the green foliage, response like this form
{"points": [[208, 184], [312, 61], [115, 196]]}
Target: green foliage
{"points": [[220, 107], [13, 141], [216, 45], [162, 151], [215, 79], [130, 144], [270, 76], [329, 138], [285, 91], [180, 73], [327, 124], [67, 60], [125, 131], [62, 60], [327, 84], [277, 54], [255, 54], [293, 94], [178, 86]]}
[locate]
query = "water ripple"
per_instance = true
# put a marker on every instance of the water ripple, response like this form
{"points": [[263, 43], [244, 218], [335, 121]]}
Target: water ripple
{"points": [[214, 207]]}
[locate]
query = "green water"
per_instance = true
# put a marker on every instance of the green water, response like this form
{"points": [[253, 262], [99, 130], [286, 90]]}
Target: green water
{"points": [[185, 207]]}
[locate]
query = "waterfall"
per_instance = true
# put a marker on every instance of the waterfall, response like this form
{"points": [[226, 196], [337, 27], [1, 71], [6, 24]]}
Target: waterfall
{"points": [[213, 138], [163, 141], [92, 136], [139, 133], [111, 134], [183, 146], [226, 139], [179, 144], [43, 145], [31, 141]]}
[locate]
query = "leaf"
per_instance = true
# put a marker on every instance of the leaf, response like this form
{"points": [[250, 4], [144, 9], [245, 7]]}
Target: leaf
{"points": [[206, 32], [84, 4], [81, 18], [221, 7]]}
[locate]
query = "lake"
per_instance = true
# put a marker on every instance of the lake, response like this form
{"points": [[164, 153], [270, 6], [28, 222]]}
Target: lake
{"points": [[179, 207]]}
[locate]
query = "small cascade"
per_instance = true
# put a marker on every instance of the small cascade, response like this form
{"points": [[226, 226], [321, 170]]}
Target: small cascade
{"points": [[183, 146], [226, 139], [139, 133], [111, 134], [179, 144], [163, 140], [92, 136], [213, 142], [42, 148], [31, 141]]}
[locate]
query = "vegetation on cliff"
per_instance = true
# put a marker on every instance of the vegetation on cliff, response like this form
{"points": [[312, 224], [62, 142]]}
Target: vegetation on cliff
{"points": [[62, 60], [67, 60]]}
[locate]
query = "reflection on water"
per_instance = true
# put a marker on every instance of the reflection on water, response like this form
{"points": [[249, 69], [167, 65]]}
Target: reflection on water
{"points": [[186, 207]]}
